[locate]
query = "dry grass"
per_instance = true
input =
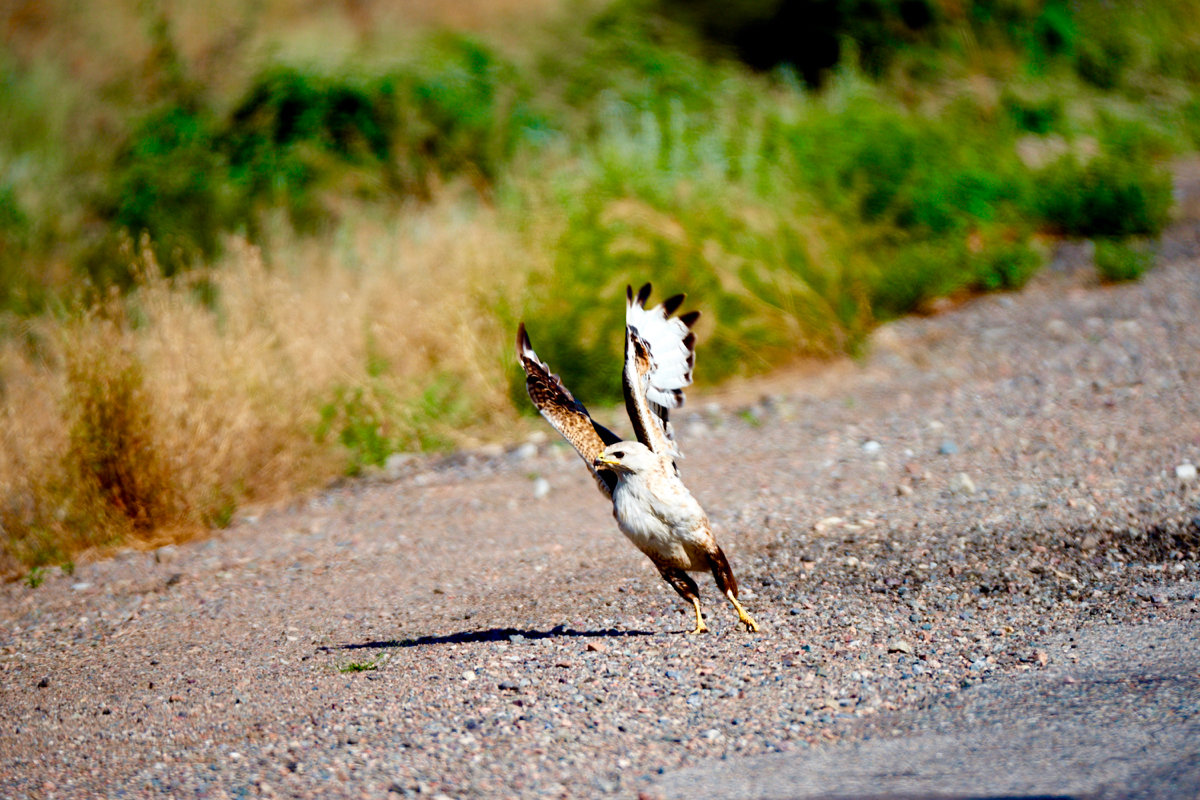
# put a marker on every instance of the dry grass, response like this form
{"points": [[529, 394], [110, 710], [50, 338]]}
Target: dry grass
{"points": [[156, 414]]}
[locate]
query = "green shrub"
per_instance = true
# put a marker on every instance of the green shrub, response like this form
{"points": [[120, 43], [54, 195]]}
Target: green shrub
{"points": [[1108, 196], [20, 293], [295, 130], [662, 199], [1102, 58], [1032, 113], [169, 182], [1006, 265], [370, 423], [471, 110], [1122, 260]]}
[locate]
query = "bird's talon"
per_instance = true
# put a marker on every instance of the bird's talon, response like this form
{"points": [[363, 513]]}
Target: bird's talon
{"points": [[699, 629]]}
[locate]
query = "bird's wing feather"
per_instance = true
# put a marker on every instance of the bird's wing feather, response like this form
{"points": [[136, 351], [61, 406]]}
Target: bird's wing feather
{"points": [[660, 352], [564, 412]]}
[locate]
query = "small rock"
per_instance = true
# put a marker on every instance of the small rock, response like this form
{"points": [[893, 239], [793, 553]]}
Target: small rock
{"points": [[1186, 472], [595, 647], [525, 451], [900, 646], [44, 682], [871, 447], [962, 484], [541, 488], [947, 448], [468, 675], [820, 526], [1041, 657], [507, 686], [1058, 328], [396, 464], [79, 587]]}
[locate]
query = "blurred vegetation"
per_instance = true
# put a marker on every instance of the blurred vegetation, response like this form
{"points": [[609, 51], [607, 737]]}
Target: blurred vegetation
{"points": [[803, 168]]}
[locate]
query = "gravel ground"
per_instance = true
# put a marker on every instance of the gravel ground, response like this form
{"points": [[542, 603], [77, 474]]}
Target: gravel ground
{"points": [[1119, 720], [919, 524]]}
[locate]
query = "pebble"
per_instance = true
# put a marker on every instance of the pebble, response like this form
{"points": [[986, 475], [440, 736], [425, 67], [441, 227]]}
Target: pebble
{"points": [[396, 464], [947, 448], [1186, 472], [525, 451], [491, 450], [962, 484], [871, 447], [541, 488]]}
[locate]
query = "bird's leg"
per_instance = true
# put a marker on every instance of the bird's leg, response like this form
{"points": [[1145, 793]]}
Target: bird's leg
{"points": [[700, 626], [682, 583], [723, 575], [751, 625]]}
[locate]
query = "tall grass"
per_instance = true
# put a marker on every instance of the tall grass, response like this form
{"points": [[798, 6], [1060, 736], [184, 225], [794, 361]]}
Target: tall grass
{"points": [[158, 412]]}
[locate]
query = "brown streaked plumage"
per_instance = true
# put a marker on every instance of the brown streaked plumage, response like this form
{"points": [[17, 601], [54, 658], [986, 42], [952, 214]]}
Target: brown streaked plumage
{"points": [[652, 507]]}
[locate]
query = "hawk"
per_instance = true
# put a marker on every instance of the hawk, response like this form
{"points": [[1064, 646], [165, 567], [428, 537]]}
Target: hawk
{"points": [[651, 505]]}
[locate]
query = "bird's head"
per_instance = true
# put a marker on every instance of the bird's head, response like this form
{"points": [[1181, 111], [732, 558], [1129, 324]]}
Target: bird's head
{"points": [[626, 458]]}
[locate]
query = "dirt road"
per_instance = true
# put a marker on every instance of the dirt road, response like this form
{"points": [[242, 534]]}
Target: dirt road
{"points": [[933, 521]]}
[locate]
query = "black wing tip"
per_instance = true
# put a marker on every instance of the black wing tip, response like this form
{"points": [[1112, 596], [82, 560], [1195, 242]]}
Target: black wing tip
{"points": [[644, 294], [671, 303], [524, 346], [689, 319]]}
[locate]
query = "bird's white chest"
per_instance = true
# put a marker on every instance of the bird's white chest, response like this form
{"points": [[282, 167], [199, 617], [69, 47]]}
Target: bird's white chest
{"points": [[662, 519]]}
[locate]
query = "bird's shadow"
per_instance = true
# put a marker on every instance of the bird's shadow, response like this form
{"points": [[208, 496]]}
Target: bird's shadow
{"points": [[489, 635]]}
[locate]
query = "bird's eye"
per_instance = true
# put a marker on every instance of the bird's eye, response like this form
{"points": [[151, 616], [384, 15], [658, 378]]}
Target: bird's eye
{"points": [[619, 453]]}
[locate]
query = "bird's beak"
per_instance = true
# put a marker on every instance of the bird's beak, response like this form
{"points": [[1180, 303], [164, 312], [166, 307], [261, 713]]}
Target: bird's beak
{"points": [[604, 461]]}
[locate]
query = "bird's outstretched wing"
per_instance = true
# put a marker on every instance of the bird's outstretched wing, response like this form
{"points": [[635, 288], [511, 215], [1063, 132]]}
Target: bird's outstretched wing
{"points": [[659, 356], [564, 412]]}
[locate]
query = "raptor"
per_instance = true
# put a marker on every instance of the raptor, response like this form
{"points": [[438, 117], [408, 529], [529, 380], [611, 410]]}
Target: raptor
{"points": [[652, 506]]}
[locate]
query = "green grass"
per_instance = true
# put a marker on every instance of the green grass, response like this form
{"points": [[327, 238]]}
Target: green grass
{"points": [[372, 424], [35, 577], [1118, 261], [361, 666]]}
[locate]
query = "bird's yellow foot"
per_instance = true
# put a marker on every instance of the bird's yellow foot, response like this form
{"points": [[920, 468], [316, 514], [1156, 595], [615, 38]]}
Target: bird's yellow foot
{"points": [[700, 626], [751, 625]]}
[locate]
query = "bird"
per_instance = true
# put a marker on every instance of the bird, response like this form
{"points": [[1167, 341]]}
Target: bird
{"points": [[651, 504]]}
